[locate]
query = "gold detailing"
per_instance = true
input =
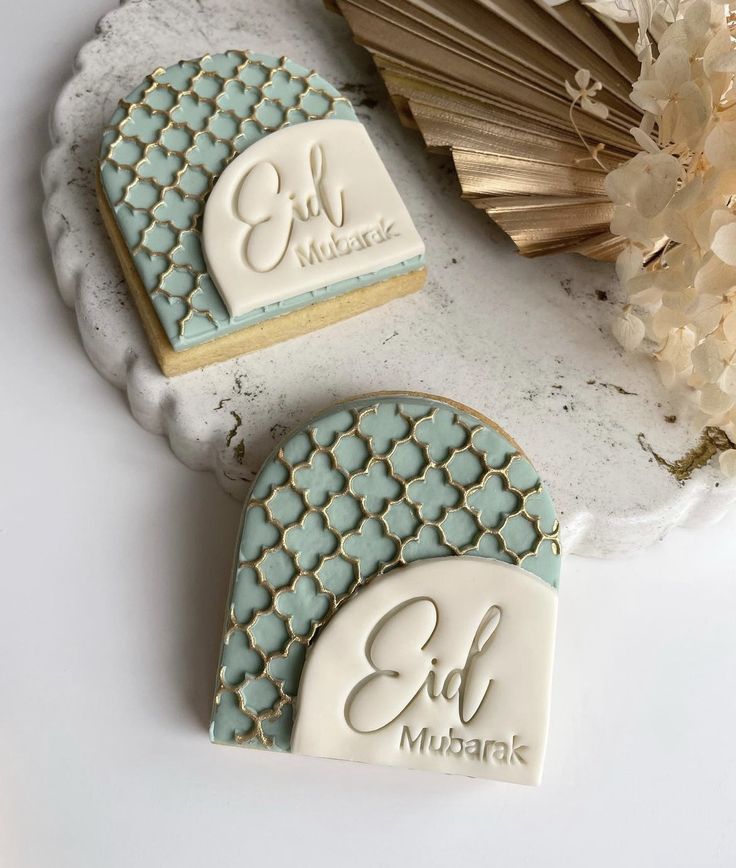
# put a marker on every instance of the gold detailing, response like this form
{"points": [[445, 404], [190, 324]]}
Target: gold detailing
{"points": [[484, 82], [115, 134], [712, 441], [402, 544]]}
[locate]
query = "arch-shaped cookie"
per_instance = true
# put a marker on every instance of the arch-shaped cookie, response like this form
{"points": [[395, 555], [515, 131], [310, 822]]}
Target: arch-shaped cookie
{"points": [[162, 155], [362, 489]]}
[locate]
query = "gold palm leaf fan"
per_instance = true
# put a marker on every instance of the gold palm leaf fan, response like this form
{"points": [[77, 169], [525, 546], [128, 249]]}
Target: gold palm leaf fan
{"points": [[530, 99]]}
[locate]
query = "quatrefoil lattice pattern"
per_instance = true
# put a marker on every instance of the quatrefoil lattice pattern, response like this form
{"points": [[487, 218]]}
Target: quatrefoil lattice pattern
{"points": [[166, 145], [361, 490]]}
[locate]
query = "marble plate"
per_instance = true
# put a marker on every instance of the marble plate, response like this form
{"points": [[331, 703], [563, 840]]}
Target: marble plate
{"points": [[526, 342]]}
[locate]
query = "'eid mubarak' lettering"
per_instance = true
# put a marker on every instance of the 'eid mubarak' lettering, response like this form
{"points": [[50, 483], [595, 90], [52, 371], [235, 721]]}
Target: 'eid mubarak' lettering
{"points": [[305, 208], [441, 664], [272, 212], [450, 744]]}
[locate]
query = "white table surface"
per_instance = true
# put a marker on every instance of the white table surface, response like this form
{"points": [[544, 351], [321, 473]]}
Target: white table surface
{"points": [[114, 562]]}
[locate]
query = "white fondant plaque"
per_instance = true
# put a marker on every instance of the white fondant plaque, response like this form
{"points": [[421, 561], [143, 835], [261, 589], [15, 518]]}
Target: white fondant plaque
{"points": [[303, 208], [443, 664]]}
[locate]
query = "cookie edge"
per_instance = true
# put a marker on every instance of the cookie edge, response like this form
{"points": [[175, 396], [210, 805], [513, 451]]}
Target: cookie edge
{"points": [[255, 337]]}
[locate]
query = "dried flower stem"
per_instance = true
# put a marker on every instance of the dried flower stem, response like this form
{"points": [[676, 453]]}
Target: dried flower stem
{"points": [[593, 151]]}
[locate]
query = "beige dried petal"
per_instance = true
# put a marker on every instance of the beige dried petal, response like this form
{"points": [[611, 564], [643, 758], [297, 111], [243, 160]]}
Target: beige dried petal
{"points": [[683, 259], [719, 55], [665, 320], [721, 183], [720, 145], [727, 462], [623, 11], [697, 20], [629, 263], [672, 68], [725, 63], [627, 222], [679, 300], [729, 327], [667, 122], [572, 92], [713, 401], [720, 217], [667, 373], [619, 182], [727, 380], [671, 280], [729, 428], [715, 277], [677, 225], [706, 313], [688, 195], [702, 228], [718, 183], [650, 296], [649, 96], [582, 78], [648, 123], [707, 361], [693, 111], [644, 140], [628, 330], [678, 349], [655, 183], [675, 34], [696, 383], [643, 280], [724, 242], [649, 334]]}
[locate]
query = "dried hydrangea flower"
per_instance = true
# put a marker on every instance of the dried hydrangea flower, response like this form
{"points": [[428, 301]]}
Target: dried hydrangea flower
{"points": [[584, 93], [674, 203]]}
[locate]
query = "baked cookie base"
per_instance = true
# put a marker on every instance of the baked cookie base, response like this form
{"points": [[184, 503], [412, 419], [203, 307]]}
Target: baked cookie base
{"points": [[249, 338]]}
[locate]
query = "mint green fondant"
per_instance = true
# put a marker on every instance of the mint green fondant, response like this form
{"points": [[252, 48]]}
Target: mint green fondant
{"points": [[360, 490], [304, 606], [269, 633], [337, 574], [166, 145], [239, 659], [260, 693], [426, 544]]}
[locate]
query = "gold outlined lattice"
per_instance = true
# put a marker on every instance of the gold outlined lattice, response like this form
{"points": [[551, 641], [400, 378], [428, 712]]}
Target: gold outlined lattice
{"points": [[255, 732], [114, 134]]}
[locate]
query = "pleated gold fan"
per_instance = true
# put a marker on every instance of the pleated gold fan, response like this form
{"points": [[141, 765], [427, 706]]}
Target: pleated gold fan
{"points": [[485, 80]]}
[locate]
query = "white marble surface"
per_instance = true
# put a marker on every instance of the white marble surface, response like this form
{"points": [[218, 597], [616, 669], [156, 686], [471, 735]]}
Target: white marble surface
{"points": [[526, 342]]}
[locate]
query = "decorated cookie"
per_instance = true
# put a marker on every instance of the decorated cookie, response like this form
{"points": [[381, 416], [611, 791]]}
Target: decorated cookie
{"points": [[248, 205], [394, 595]]}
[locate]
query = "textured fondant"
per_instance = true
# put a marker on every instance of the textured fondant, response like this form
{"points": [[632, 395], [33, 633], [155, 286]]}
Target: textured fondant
{"points": [[165, 146], [364, 488], [306, 207], [443, 664]]}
